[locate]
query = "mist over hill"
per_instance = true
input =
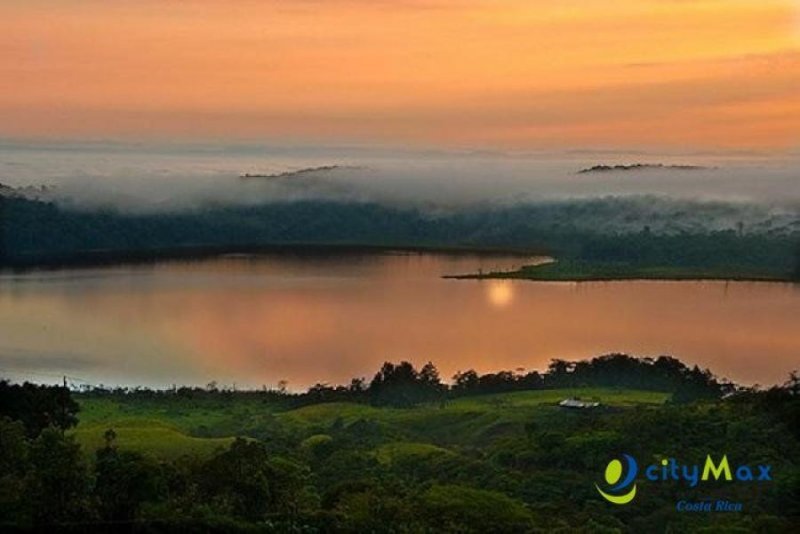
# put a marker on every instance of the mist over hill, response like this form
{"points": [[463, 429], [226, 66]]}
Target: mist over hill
{"points": [[63, 201], [144, 178]]}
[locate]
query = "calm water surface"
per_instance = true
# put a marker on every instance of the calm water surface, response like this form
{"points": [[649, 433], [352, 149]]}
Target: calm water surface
{"points": [[254, 321]]}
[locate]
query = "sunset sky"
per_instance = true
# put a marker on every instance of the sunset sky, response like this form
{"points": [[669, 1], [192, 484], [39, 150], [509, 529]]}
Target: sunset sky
{"points": [[682, 74]]}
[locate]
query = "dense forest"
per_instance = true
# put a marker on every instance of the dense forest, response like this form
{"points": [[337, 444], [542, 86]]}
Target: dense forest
{"points": [[607, 231], [404, 452]]}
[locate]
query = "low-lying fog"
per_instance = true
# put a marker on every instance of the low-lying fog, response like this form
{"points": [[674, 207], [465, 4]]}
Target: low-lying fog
{"points": [[145, 177]]}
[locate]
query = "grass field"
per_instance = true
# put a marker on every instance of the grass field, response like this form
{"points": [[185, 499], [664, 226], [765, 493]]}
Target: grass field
{"points": [[152, 437], [172, 426]]}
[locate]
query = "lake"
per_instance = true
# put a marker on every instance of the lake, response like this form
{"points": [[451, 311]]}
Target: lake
{"points": [[255, 321]]}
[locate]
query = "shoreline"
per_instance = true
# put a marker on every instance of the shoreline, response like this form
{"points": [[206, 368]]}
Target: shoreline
{"points": [[111, 258], [552, 271], [560, 272]]}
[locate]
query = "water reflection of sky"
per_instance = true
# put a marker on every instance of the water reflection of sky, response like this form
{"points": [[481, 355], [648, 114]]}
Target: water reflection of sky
{"points": [[256, 322]]}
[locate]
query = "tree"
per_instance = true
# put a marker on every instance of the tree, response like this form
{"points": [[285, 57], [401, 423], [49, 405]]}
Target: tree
{"points": [[357, 386], [373, 509], [466, 381], [394, 385], [402, 386], [451, 508], [237, 480], [290, 490], [13, 466], [124, 481], [431, 384], [57, 484], [558, 372], [38, 406], [13, 447]]}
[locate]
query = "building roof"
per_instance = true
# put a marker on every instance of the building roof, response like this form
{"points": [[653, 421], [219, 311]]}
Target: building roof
{"points": [[575, 403]]}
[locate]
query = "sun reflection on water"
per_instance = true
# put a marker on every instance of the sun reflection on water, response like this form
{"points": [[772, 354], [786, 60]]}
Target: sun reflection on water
{"points": [[500, 293]]}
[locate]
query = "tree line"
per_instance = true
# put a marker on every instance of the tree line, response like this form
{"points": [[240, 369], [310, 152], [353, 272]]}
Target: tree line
{"points": [[608, 230], [403, 385]]}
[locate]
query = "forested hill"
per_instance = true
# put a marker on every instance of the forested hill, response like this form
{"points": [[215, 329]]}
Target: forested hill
{"points": [[486, 453], [640, 230]]}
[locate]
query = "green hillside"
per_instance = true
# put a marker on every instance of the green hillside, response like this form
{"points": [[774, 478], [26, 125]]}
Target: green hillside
{"points": [[406, 450], [171, 427]]}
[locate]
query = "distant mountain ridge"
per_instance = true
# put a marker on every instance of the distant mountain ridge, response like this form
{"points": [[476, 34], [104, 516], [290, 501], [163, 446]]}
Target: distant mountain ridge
{"points": [[300, 172], [30, 192], [642, 167]]}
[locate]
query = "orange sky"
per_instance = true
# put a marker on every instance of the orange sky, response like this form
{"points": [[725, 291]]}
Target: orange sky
{"points": [[502, 74]]}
